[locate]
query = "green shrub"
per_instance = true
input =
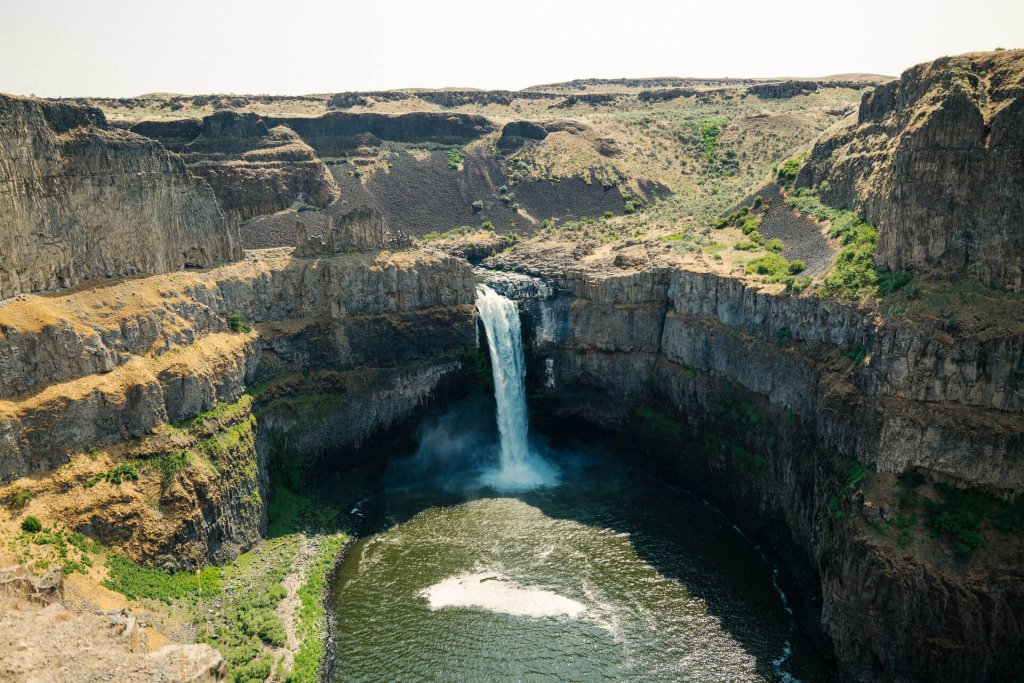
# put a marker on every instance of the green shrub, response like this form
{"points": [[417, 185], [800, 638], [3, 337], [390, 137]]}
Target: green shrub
{"points": [[913, 290], [608, 214], [963, 514], [796, 267], [769, 264], [744, 245], [170, 464], [709, 128], [789, 168], [857, 354], [83, 543], [237, 323], [122, 472], [801, 283], [487, 225], [892, 281], [18, 498], [31, 525], [478, 206], [961, 523], [776, 246], [454, 157], [114, 475], [135, 581]]}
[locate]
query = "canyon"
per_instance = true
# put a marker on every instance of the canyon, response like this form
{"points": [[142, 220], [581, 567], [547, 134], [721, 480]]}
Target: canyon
{"points": [[158, 382]]}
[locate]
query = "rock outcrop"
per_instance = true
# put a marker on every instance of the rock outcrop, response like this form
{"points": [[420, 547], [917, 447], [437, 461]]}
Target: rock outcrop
{"points": [[936, 161], [253, 169], [361, 230], [79, 200], [123, 371], [516, 133], [753, 399], [338, 133], [39, 635]]}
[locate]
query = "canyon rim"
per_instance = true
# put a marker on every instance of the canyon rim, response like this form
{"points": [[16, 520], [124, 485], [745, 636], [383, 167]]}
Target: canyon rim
{"points": [[669, 378]]}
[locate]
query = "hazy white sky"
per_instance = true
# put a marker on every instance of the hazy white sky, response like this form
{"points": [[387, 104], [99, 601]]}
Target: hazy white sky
{"points": [[129, 47]]}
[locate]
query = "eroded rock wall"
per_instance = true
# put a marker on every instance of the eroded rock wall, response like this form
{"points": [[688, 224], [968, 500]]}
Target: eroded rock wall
{"points": [[79, 200], [936, 161], [254, 169], [761, 401], [343, 345]]}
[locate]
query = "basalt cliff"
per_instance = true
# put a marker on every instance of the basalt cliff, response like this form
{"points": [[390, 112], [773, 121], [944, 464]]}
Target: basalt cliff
{"points": [[872, 441], [936, 161], [80, 200]]}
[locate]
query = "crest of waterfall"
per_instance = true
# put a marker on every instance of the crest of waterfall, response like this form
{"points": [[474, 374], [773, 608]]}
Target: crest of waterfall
{"points": [[519, 467]]}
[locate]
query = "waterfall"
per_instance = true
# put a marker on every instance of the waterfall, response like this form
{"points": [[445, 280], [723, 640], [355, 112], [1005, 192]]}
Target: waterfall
{"points": [[519, 468]]}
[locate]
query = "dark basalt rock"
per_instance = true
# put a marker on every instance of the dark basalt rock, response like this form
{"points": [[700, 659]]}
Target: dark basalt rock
{"points": [[336, 133], [515, 134], [936, 161]]}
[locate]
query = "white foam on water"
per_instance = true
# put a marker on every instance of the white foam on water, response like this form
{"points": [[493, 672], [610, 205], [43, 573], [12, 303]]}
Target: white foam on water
{"points": [[496, 592]]}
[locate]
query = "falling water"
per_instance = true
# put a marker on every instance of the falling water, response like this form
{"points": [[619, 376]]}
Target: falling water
{"points": [[519, 468]]}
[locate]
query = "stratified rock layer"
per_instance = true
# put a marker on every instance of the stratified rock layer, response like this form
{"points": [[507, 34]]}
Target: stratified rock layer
{"points": [[936, 161], [79, 200], [254, 169], [753, 399], [121, 371]]}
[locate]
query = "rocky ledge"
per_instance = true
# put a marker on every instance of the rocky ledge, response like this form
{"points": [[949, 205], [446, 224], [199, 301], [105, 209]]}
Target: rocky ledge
{"points": [[799, 414], [178, 386], [80, 200]]}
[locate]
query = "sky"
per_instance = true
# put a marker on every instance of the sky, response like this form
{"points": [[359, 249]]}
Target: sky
{"points": [[120, 48]]}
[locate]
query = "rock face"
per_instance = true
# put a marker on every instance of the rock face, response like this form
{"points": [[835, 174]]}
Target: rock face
{"points": [[337, 133], [936, 161], [515, 134], [361, 230], [253, 169], [79, 200], [123, 370], [751, 398], [38, 634]]}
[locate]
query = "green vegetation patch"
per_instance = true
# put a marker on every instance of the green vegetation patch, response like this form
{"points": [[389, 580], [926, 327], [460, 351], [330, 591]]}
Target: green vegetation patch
{"points": [[961, 516], [115, 475], [247, 624], [776, 269], [454, 157], [854, 276], [312, 617], [135, 581], [659, 424], [789, 168], [17, 498], [221, 413], [237, 323], [710, 128]]}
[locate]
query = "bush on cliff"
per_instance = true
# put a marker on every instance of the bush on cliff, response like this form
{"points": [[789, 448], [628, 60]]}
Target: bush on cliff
{"points": [[454, 157], [237, 323], [31, 525], [789, 168], [18, 498]]}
